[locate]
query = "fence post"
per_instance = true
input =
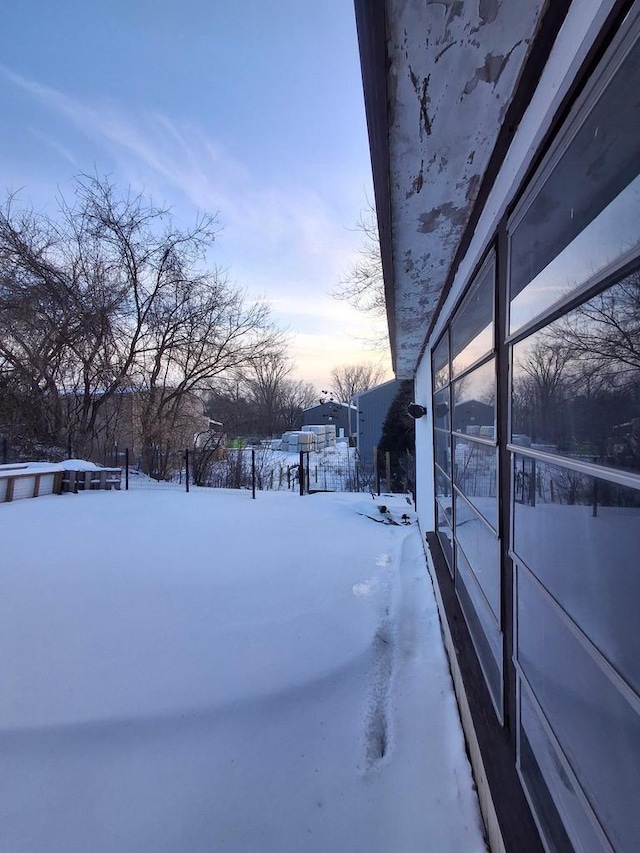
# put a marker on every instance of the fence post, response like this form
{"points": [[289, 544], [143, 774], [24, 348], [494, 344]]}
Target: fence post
{"points": [[301, 474], [532, 484], [253, 473], [4, 451], [186, 467], [376, 469], [126, 469], [387, 459]]}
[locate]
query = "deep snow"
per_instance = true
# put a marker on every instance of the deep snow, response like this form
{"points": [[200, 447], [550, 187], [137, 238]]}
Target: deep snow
{"points": [[205, 672]]}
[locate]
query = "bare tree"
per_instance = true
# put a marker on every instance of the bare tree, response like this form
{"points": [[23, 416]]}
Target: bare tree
{"points": [[352, 379], [540, 388], [265, 381], [110, 297], [297, 395], [604, 333], [363, 285], [262, 399]]}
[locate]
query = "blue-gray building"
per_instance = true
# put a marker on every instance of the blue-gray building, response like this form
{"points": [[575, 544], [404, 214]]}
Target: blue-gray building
{"points": [[340, 414], [373, 406]]}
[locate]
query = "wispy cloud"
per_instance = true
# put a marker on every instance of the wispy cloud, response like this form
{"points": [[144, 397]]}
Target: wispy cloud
{"points": [[153, 146], [284, 241]]}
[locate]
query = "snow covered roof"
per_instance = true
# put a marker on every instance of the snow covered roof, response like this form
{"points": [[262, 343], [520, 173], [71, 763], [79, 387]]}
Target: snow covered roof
{"points": [[377, 388], [439, 81], [330, 403]]}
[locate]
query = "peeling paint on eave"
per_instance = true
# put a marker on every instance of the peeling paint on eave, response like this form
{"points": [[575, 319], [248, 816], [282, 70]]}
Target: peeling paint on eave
{"points": [[453, 68]]}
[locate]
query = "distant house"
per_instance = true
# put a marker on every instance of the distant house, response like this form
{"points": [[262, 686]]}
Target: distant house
{"points": [[373, 406], [144, 421], [474, 418], [342, 415]]}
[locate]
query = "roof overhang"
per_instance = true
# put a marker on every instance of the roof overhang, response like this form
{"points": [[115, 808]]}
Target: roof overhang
{"points": [[440, 80]]}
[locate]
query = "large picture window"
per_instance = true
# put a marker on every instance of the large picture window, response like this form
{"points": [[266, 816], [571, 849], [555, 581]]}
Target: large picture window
{"points": [[583, 215], [466, 468], [574, 330]]}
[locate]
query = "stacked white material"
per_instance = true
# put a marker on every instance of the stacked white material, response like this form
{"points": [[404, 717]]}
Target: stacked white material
{"points": [[320, 432], [330, 435], [295, 441]]}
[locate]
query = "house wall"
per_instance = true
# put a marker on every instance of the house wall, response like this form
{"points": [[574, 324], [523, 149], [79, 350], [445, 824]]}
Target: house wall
{"points": [[119, 425], [557, 645]]}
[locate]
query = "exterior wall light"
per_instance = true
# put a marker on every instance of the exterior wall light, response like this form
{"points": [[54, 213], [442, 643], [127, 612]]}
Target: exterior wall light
{"points": [[416, 410]]}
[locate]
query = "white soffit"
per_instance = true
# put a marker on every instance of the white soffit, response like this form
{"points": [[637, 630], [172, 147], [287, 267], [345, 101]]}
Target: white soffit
{"points": [[453, 67]]}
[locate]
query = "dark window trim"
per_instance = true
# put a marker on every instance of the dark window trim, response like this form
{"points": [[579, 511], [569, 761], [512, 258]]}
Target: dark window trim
{"points": [[479, 362], [498, 745], [544, 40], [505, 488], [617, 680], [518, 828], [613, 274], [577, 113], [475, 511], [545, 802], [543, 44], [497, 702], [481, 590], [478, 439], [619, 476], [488, 263]]}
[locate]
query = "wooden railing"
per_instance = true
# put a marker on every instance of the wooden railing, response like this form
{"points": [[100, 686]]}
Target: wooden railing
{"points": [[16, 481]]}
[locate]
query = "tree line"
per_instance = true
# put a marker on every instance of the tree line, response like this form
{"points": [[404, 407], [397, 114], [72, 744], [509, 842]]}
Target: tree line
{"points": [[577, 382], [110, 300], [112, 314]]}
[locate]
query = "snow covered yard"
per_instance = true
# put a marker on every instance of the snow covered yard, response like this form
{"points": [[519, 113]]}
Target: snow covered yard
{"points": [[205, 672]]}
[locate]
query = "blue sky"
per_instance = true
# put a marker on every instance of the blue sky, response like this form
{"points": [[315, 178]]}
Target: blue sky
{"points": [[251, 109]]}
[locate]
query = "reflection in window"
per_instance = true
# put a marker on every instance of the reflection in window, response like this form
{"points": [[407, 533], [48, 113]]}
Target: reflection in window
{"points": [[443, 516], [475, 474], [474, 397], [586, 214], [579, 535], [481, 549], [443, 452], [443, 485], [482, 627], [576, 383], [441, 413], [472, 326], [543, 772], [596, 726], [441, 363]]}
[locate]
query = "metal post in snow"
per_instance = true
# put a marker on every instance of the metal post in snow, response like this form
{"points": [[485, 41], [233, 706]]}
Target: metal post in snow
{"points": [[186, 466], [126, 469], [253, 473], [301, 474]]}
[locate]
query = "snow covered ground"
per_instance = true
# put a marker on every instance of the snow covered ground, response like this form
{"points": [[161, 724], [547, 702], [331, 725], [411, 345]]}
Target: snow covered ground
{"points": [[205, 672]]}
